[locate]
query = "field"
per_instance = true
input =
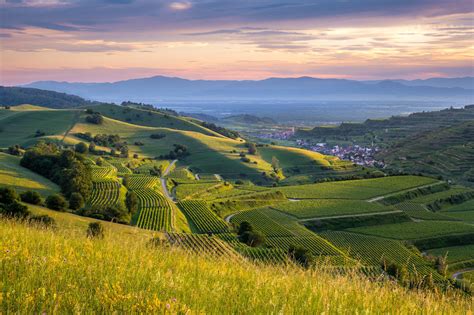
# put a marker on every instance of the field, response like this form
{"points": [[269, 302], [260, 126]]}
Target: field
{"points": [[123, 274], [355, 189], [454, 254], [22, 179], [202, 218], [415, 230], [418, 211], [316, 208], [106, 193]]}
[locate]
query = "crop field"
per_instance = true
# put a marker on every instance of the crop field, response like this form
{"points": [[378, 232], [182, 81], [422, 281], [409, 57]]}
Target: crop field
{"points": [[121, 169], [356, 189], [373, 250], [418, 211], [195, 189], [155, 218], [316, 208], [245, 202], [267, 255], [142, 182], [467, 216], [415, 230], [103, 172], [105, 193], [440, 195], [203, 219], [454, 254], [282, 231], [148, 166], [181, 173], [22, 179], [468, 205], [203, 244]]}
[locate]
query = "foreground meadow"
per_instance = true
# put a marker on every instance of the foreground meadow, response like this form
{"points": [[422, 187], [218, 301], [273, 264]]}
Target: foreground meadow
{"points": [[61, 271]]}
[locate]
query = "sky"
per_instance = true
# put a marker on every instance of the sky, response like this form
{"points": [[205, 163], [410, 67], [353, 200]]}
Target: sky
{"points": [[112, 40]]}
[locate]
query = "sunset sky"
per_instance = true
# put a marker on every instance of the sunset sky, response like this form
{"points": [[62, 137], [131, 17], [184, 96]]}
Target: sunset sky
{"points": [[107, 40]]}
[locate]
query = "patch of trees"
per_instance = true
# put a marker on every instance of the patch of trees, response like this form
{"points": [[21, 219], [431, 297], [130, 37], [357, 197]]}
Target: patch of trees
{"points": [[150, 108], [179, 151], [252, 148], [221, 130], [157, 135], [12, 96], [65, 168], [39, 133], [114, 213], [302, 256], [249, 236], [14, 150], [95, 118]]}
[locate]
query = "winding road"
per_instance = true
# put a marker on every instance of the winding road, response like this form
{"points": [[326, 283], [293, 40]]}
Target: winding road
{"points": [[163, 181], [460, 272]]}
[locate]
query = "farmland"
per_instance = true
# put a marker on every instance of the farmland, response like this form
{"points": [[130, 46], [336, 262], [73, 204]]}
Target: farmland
{"points": [[202, 218]]}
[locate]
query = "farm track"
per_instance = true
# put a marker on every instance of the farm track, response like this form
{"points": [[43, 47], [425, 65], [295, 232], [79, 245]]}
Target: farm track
{"points": [[76, 119], [351, 215], [460, 272]]}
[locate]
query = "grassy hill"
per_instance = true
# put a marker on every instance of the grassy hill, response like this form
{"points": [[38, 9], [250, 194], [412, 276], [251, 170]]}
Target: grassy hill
{"points": [[448, 152], [12, 96], [63, 271]]}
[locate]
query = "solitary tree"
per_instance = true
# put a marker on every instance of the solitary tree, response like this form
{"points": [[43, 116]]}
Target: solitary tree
{"points": [[76, 201], [31, 197], [81, 147], [252, 148], [244, 226], [131, 200], [275, 164], [95, 230], [300, 255], [56, 202]]}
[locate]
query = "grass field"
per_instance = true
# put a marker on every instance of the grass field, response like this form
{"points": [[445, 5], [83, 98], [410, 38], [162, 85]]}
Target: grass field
{"points": [[19, 127], [63, 272], [22, 179], [356, 189], [304, 209], [415, 230]]}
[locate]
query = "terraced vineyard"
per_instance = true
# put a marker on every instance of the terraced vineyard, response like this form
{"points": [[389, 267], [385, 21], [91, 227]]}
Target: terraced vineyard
{"points": [[105, 193], [102, 172], [121, 169], [415, 230], [454, 254], [373, 250], [195, 189], [142, 182], [267, 255], [303, 209], [356, 189], [282, 231], [204, 244], [418, 211], [203, 219]]}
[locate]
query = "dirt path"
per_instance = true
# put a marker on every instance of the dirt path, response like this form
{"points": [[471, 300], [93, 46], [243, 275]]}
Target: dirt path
{"points": [[401, 191], [76, 119], [351, 215], [163, 181], [168, 169], [460, 272]]}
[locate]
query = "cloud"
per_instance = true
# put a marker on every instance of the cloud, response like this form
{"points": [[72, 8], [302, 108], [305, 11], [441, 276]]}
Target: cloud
{"points": [[179, 6]]}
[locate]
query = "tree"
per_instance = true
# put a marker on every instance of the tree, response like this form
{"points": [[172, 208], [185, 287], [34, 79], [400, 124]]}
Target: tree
{"points": [[56, 202], [14, 210], [95, 230], [76, 201], [275, 164], [8, 195], [252, 238], [14, 150], [95, 118], [31, 197], [252, 148], [244, 226], [124, 151], [92, 146], [300, 255], [81, 147], [131, 201]]}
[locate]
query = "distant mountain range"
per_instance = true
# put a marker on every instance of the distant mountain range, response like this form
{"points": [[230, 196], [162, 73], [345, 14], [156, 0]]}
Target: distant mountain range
{"points": [[159, 88]]}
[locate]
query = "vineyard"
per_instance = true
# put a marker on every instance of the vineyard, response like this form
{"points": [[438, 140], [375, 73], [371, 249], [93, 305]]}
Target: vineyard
{"points": [[454, 254], [204, 244], [267, 255], [355, 189], [418, 211], [100, 173], [141, 182], [121, 169], [195, 189], [372, 250], [415, 230], [303, 209], [105, 193], [203, 219]]}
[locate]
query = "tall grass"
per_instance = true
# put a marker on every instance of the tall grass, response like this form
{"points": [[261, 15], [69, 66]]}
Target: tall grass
{"points": [[64, 272]]}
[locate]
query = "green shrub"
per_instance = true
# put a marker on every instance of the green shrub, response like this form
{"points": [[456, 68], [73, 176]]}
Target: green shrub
{"points": [[300, 255], [56, 202], [252, 238], [76, 201], [43, 220], [95, 230], [14, 210], [31, 197], [8, 195], [81, 147]]}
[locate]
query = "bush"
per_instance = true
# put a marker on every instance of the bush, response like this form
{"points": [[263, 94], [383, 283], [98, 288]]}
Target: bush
{"points": [[300, 255], [56, 202], [252, 238], [244, 227], [95, 230], [81, 147], [8, 195], [14, 210], [76, 201], [31, 197], [95, 119], [131, 201], [43, 220]]}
